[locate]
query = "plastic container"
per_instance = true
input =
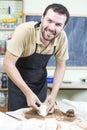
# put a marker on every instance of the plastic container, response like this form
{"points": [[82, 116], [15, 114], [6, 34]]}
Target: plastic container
{"points": [[2, 46], [4, 80], [50, 79], [9, 20], [2, 99], [1, 62]]}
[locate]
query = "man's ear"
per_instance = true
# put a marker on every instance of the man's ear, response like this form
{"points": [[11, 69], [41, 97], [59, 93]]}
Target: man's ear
{"points": [[64, 26]]}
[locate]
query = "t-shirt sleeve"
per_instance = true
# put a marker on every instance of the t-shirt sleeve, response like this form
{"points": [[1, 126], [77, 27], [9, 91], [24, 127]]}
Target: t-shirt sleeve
{"points": [[16, 45], [62, 53]]}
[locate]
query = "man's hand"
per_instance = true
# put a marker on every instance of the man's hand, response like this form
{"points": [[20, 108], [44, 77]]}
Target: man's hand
{"points": [[51, 104], [33, 101]]}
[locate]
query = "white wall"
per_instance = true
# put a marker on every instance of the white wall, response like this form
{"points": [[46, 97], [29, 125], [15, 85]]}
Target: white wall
{"points": [[76, 8]]}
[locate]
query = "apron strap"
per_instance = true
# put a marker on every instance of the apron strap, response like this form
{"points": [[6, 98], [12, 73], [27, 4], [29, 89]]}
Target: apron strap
{"points": [[36, 47], [37, 25], [54, 49]]}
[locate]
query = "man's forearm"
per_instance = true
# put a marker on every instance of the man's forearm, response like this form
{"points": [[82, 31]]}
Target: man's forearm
{"points": [[58, 77], [15, 76]]}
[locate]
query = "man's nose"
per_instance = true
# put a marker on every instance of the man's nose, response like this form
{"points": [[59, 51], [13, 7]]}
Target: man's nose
{"points": [[52, 27]]}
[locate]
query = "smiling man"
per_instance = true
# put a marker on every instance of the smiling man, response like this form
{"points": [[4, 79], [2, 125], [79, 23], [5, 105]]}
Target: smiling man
{"points": [[27, 55]]}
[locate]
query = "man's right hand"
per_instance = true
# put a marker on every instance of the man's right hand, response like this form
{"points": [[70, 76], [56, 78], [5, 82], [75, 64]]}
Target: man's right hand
{"points": [[33, 101]]}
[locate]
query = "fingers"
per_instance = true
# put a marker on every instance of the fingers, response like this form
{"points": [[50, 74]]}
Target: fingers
{"points": [[38, 102], [50, 108], [36, 105], [51, 105]]}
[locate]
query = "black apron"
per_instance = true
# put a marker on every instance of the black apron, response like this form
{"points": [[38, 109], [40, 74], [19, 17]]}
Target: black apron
{"points": [[33, 72]]}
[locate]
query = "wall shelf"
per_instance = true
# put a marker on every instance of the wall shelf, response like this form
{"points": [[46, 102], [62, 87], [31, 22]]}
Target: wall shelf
{"points": [[2, 29], [8, 9]]}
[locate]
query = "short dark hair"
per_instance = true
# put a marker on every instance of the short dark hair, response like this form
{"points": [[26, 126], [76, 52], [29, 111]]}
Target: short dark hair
{"points": [[58, 8]]}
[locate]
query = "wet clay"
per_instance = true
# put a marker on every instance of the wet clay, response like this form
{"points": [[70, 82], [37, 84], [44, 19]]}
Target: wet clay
{"points": [[58, 115]]}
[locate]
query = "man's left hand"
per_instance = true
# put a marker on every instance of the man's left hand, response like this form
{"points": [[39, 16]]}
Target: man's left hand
{"points": [[50, 101]]}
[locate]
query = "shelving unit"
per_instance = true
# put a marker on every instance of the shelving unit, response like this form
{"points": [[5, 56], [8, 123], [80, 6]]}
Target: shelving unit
{"points": [[9, 10], [6, 29]]}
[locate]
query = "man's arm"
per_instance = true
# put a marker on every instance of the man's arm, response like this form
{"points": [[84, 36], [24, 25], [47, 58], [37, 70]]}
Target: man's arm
{"points": [[14, 75], [58, 77]]}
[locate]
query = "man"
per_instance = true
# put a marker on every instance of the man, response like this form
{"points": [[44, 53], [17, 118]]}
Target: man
{"points": [[27, 56]]}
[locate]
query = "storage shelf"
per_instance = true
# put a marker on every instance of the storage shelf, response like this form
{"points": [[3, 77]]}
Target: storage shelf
{"points": [[2, 53], [3, 109], [3, 89], [4, 29], [7, 29]]}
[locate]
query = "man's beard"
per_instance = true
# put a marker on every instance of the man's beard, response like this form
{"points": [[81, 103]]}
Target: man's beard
{"points": [[48, 35]]}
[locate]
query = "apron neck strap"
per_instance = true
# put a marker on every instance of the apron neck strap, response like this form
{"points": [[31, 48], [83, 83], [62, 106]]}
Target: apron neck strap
{"points": [[36, 47], [54, 49], [37, 25]]}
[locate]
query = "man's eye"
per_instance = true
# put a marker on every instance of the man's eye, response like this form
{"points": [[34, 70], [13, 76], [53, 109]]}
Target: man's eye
{"points": [[58, 25], [49, 21]]}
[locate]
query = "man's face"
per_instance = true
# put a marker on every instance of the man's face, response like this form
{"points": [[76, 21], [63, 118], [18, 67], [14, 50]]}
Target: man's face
{"points": [[52, 24]]}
